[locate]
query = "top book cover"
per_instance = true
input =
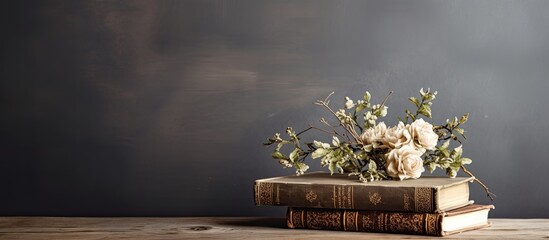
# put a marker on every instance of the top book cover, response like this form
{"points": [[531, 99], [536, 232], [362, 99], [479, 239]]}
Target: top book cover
{"points": [[428, 194]]}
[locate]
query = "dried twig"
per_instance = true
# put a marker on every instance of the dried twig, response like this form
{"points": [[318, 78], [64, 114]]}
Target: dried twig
{"points": [[490, 194]]}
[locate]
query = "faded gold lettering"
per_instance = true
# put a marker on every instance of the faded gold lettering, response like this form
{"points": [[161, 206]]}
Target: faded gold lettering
{"points": [[406, 199]]}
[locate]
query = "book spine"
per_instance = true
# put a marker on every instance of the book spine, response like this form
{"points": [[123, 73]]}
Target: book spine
{"points": [[365, 221], [401, 199]]}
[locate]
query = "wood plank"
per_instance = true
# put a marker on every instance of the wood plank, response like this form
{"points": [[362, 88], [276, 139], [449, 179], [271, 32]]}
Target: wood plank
{"points": [[226, 228]]}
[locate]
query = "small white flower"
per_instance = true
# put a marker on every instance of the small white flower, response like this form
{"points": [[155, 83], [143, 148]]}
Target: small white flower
{"points": [[340, 114], [335, 141], [384, 111], [285, 163], [367, 96], [349, 103], [380, 110], [319, 144]]}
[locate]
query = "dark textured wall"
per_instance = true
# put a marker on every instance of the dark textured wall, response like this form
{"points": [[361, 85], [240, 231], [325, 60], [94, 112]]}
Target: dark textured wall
{"points": [[159, 107]]}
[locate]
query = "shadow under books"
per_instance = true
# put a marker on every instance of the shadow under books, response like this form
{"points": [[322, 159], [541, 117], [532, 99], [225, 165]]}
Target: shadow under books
{"points": [[261, 222]]}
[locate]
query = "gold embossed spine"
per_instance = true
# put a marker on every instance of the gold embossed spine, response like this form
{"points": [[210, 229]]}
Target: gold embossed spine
{"points": [[256, 194], [264, 193], [424, 200], [365, 221]]}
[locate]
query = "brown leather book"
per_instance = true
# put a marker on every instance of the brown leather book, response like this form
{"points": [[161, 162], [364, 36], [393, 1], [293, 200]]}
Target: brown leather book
{"points": [[433, 224], [320, 190]]}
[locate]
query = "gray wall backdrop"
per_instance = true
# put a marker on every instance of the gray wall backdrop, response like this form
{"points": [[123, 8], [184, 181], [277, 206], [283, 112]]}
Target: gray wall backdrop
{"points": [[160, 107]]}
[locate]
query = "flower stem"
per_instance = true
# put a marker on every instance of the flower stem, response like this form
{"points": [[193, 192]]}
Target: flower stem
{"points": [[386, 97], [490, 194], [348, 128]]}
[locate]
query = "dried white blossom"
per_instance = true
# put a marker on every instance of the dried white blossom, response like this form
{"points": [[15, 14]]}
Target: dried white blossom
{"points": [[349, 103]]}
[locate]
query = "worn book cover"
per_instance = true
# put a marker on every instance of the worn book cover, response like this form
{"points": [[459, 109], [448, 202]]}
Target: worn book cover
{"points": [[433, 224], [322, 190]]}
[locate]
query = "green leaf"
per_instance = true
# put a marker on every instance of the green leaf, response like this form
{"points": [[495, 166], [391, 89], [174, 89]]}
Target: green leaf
{"points": [[339, 168], [451, 172], [454, 154], [279, 146], [359, 107], [332, 167], [319, 152], [319, 144], [367, 96], [269, 142], [431, 167], [372, 166], [415, 101], [278, 155], [464, 118], [425, 110], [409, 114], [294, 155], [455, 165], [465, 161], [445, 152], [460, 131], [445, 144], [362, 155], [458, 152]]}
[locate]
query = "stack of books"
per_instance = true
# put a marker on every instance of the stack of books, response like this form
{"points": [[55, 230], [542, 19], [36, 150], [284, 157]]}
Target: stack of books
{"points": [[436, 206]]}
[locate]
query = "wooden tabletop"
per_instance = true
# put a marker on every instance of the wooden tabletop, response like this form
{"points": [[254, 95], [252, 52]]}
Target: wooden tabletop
{"points": [[227, 228]]}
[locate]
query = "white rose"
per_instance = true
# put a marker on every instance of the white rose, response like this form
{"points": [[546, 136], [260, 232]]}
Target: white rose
{"points": [[423, 135], [374, 136], [397, 136], [404, 163]]}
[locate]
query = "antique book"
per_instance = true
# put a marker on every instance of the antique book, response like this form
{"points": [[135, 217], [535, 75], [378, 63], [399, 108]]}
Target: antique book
{"points": [[320, 190], [434, 224]]}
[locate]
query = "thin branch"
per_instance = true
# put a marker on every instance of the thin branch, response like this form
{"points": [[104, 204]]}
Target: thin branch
{"points": [[418, 107], [490, 194], [307, 129], [328, 97], [322, 120], [450, 131], [386, 97], [450, 137], [349, 129]]}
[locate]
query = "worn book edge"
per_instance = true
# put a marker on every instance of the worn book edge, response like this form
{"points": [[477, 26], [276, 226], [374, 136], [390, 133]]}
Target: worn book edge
{"points": [[433, 220], [425, 192], [343, 179]]}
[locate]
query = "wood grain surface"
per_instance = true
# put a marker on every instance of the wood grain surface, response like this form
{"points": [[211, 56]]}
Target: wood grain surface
{"points": [[159, 108], [227, 228]]}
